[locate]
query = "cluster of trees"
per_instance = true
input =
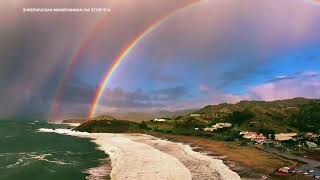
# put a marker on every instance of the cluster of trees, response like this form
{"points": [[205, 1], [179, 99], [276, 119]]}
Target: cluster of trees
{"points": [[308, 118], [189, 123], [239, 117], [266, 132]]}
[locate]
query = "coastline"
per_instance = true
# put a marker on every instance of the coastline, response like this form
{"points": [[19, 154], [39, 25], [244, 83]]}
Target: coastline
{"points": [[69, 124], [134, 157], [72, 124], [247, 161]]}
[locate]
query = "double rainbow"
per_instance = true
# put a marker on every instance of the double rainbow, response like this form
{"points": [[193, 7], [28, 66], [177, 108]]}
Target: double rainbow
{"points": [[116, 63], [126, 51]]}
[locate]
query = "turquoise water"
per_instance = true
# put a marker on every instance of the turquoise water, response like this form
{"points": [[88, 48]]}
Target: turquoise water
{"points": [[26, 153]]}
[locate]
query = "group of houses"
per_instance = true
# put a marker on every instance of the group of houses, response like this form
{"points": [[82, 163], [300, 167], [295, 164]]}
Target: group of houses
{"points": [[253, 136], [291, 171], [311, 135], [284, 136], [217, 126], [260, 138], [195, 115], [160, 120]]}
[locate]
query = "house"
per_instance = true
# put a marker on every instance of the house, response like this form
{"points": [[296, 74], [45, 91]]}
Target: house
{"points": [[217, 126], [284, 136], [290, 107], [208, 129], [195, 115], [311, 135], [253, 136], [248, 134], [284, 169], [160, 120], [221, 125], [311, 144]]}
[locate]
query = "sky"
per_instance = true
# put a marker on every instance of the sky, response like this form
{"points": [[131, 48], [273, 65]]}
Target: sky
{"points": [[214, 52]]}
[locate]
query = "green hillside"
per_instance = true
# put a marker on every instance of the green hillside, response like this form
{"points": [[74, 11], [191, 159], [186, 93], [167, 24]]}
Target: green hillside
{"points": [[147, 116], [292, 115], [298, 114], [103, 117], [109, 126]]}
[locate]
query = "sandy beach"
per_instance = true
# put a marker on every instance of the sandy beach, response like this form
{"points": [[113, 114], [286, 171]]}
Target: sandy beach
{"points": [[140, 156]]}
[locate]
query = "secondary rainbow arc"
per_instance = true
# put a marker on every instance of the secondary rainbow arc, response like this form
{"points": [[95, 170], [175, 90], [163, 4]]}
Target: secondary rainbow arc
{"points": [[69, 67]]}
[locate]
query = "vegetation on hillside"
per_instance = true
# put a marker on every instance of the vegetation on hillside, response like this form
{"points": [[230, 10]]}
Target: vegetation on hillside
{"points": [[293, 115], [146, 116], [79, 120], [109, 126], [103, 117], [308, 118]]}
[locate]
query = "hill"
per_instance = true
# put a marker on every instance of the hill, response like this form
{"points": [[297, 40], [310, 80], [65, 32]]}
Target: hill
{"points": [[103, 117], [292, 115], [83, 120], [146, 116], [78, 120], [298, 114], [174, 114], [109, 126]]}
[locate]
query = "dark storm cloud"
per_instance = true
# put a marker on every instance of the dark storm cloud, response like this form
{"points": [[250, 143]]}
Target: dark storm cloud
{"points": [[170, 93], [33, 46], [127, 104], [115, 98], [78, 95], [78, 92], [218, 43]]}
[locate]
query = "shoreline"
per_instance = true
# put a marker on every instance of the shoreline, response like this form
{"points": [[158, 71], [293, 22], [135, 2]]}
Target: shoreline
{"points": [[62, 123], [247, 161], [134, 157]]}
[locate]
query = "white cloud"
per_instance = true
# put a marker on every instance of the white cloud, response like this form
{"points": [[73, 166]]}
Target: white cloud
{"points": [[304, 85]]}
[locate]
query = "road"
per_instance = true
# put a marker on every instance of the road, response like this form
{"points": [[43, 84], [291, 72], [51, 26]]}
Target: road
{"points": [[310, 162]]}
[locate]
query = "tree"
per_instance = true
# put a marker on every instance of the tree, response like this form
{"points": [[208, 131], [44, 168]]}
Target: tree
{"points": [[143, 125], [267, 132], [308, 117], [239, 117]]}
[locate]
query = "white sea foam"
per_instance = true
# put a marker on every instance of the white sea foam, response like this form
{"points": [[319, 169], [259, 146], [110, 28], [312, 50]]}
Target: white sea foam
{"points": [[98, 173], [131, 159], [223, 170], [26, 158]]}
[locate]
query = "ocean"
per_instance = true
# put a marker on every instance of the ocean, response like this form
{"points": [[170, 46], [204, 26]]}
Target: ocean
{"points": [[26, 153]]}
